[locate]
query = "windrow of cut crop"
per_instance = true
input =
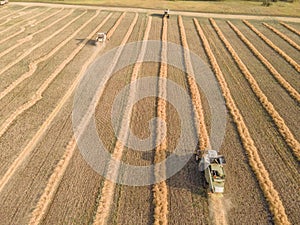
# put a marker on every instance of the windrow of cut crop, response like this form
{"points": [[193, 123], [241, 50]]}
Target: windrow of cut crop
{"points": [[29, 37], [283, 36], [291, 61], [290, 28], [291, 91], [29, 51], [47, 197], [194, 92], [220, 217], [32, 143], [23, 27], [108, 190], [26, 20], [275, 204], [160, 189], [33, 65], [39, 92], [268, 106]]}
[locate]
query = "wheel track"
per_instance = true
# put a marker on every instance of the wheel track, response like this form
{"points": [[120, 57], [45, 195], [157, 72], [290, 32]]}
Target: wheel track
{"points": [[30, 146], [25, 54], [290, 90], [283, 36], [29, 37], [268, 106], [33, 65], [38, 95], [214, 202], [262, 175], [26, 20], [291, 61], [290, 28]]}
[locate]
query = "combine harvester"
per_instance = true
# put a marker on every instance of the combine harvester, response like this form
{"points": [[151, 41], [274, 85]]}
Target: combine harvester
{"points": [[3, 2], [101, 37], [167, 13], [211, 164]]}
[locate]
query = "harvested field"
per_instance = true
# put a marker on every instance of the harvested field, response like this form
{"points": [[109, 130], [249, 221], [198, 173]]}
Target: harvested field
{"points": [[45, 178]]}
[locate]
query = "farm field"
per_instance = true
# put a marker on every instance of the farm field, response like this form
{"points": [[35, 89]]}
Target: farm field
{"points": [[46, 179]]}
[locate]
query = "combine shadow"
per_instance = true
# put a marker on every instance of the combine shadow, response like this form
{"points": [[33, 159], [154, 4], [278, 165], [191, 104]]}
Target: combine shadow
{"points": [[90, 41], [157, 15], [188, 178]]}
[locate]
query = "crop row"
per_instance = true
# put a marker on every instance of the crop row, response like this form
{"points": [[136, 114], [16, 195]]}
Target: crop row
{"points": [[54, 180], [278, 120], [290, 28], [23, 27], [38, 94], [273, 46], [108, 188], [159, 189], [292, 92], [262, 175], [194, 92], [283, 36]]}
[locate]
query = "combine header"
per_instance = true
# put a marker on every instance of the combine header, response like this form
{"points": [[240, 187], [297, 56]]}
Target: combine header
{"points": [[212, 165]]}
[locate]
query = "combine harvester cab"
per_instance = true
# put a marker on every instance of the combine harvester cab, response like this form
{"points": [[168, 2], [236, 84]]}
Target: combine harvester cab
{"points": [[214, 171]]}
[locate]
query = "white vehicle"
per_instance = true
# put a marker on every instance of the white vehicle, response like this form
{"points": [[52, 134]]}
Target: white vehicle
{"points": [[3, 2], [167, 13], [101, 37]]}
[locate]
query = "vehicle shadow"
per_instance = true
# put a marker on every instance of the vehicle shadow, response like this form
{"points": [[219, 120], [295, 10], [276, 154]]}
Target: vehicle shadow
{"points": [[157, 15], [188, 178], [90, 41]]}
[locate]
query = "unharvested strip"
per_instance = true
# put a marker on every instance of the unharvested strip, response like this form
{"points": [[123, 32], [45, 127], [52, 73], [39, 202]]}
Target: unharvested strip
{"points": [[291, 91], [262, 175], [278, 120], [273, 46]]}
